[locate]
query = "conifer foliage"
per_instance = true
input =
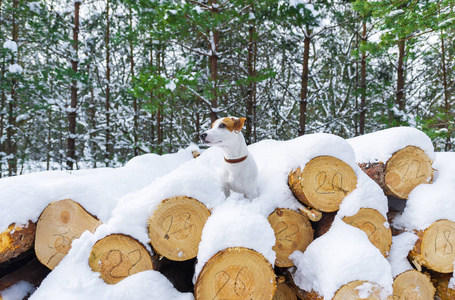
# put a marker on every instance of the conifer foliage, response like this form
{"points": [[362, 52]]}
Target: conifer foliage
{"points": [[95, 83]]}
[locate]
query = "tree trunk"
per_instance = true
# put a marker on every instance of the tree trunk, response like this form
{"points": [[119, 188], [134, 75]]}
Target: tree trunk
{"points": [[159, 114], [406, 169], [236, 273], [400, 100], [251, 89], [60, 223], [434, 249], [293, 231], [11, 143], [323, 183], [363, 82], [92, 121], [304, 88], [175, 228], [214, 40], [2, 97], [447, 106], [118, 256], [108, 148], [71, 140], [135, 104]]}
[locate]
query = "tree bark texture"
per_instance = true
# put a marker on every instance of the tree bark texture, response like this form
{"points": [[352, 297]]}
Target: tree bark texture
{"points": [[107, 155], [304, 88], [71, 140]]}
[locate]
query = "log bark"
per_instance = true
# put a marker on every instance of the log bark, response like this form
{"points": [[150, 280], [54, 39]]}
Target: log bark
{"points": [[118, 256], [323, 183], [406, 169], [15, 240], [441, 283], [236, 273], [375, 225], [175, 228], [293, 231], [284, 291], [322, 226], [435, 248], [60, 223], [33, 272], [359, 289], [413, 285]]}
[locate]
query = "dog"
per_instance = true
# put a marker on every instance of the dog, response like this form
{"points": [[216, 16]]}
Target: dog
{"points": [[239, 171]]}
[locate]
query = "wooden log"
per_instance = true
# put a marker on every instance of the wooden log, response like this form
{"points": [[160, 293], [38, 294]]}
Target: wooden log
{"points": [[322, 226], [60, 223], [435, 248], [406, 169], [375, 225], [413, 285], [15, 240], [304, 295], [359, 289], [118, 256], [323, 183], [33, 272], [175, 228], [284, 291], [236, 273], [292, 232], [312, 213], [441, 283], [354, 290]]}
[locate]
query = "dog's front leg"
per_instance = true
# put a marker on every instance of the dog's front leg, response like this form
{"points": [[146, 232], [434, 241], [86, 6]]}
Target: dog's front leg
{"points": [[226, 190], [224, 183]]}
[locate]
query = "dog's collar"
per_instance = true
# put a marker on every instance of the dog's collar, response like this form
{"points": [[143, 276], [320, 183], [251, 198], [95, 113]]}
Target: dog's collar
{"points": [[235, 160]]}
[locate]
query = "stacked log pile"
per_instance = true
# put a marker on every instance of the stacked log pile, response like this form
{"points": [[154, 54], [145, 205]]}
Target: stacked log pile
{"points": [[180, 229]]}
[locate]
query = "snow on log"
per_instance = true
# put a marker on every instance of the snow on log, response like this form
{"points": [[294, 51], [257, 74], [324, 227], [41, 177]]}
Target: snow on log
{"points": [[398, 159], [59, 225], [323, 183], [235, 257], [175, 228], [413, 285], [435, 247], [293, 231], [236, 273], [118, 256], [15, 240], [376, 227], [341, 256]]}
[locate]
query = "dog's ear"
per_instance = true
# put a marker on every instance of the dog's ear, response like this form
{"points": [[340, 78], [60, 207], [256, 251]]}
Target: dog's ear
{"points": [[238, 124]]}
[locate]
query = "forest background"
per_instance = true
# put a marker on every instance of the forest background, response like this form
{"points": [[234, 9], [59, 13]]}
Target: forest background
{"points": [[94, 83]]}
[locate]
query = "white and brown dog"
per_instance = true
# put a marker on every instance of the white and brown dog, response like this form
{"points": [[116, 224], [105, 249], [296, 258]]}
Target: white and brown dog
{"points": [[240, 171]]}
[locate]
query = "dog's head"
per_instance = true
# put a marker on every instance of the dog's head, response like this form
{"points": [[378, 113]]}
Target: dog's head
{"points": [[223, 131]]}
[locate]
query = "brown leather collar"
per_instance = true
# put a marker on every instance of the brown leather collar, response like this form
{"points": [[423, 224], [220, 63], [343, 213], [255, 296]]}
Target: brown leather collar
{"points": [[235, 160]]}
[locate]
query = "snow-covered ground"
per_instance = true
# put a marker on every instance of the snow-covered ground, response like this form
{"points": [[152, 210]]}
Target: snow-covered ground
{"points": [[124, 198]]}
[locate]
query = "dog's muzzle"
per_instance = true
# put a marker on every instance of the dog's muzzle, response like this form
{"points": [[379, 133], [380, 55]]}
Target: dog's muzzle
{"points": [[203, 137]]}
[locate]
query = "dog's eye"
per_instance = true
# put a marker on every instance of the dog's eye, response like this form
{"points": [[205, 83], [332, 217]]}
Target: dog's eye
{"points": [[222, 125]]}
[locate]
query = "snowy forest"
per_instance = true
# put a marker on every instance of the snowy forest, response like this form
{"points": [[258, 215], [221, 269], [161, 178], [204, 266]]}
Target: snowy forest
{"points": [[93, 83]]}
